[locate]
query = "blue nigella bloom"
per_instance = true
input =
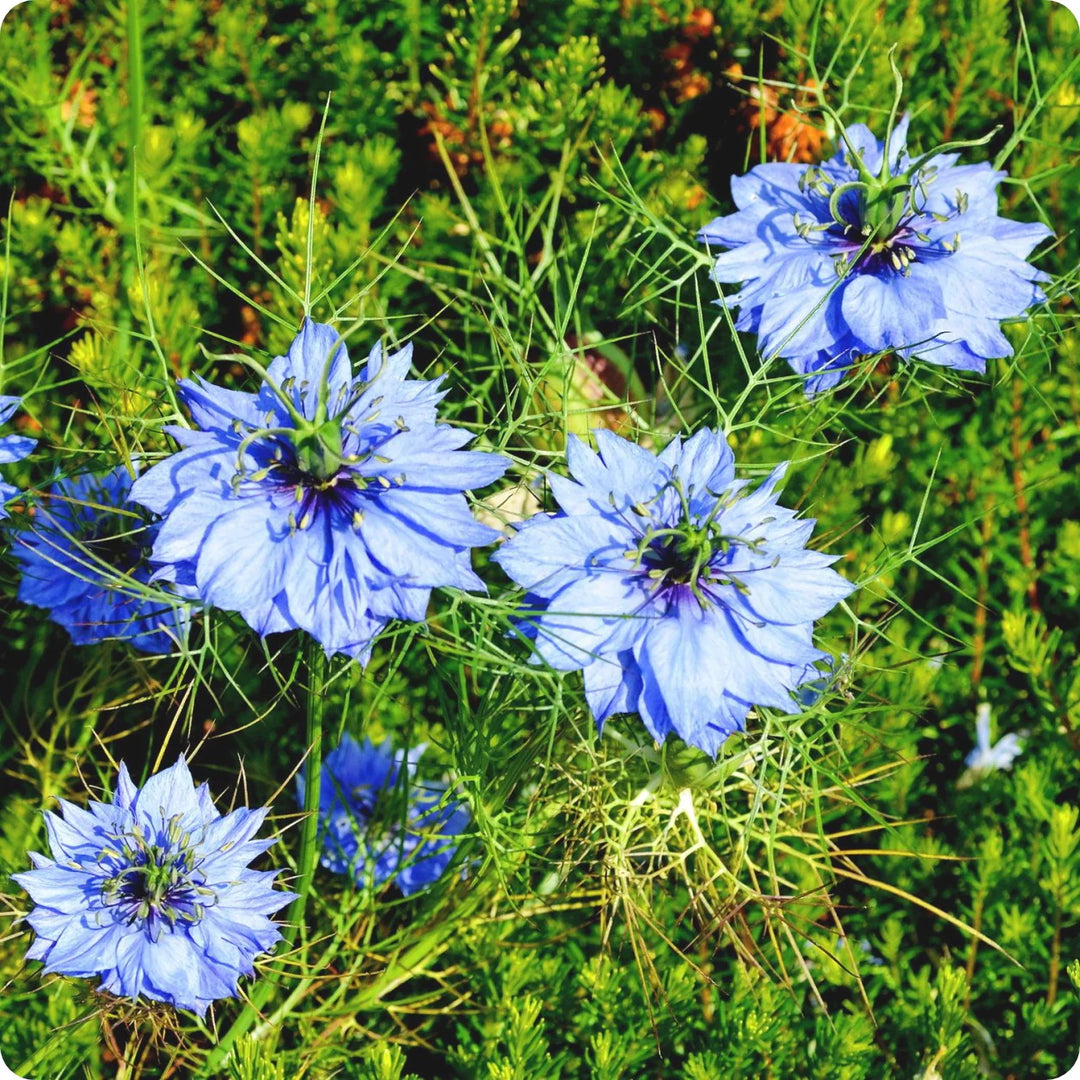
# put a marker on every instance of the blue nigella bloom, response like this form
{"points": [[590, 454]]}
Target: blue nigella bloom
{"points": [[12, 448], [84, 557], [871, 251], [986, 758], [153, 893], [324, 502], [377, 824], [680, 594]]}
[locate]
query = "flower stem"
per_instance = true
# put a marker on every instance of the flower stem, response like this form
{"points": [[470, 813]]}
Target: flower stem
{"points": [[309, 852], [135, 88], [309, 838]]}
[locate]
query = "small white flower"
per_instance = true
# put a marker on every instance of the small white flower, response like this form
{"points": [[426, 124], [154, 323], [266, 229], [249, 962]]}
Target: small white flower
{"points": [[986, 758]]}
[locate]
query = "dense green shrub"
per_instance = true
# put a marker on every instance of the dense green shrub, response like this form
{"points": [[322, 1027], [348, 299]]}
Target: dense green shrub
{"points": [[515, 188]]}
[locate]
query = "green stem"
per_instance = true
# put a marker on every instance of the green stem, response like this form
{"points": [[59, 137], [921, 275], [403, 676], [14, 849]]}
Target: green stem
{"points": [[309, 838], [413, 18], [1055, 955], [309, 852], [135, 108], [135, 92]]}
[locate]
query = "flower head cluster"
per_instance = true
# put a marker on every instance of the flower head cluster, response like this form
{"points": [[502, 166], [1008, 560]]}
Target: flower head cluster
{"points": [[12, 448], [873, 250], [153, 893], [680, 594], [324, 502], [84, 557], [377, 824]]}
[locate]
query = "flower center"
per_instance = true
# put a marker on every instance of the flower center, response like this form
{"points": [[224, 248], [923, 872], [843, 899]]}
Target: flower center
{"points": [[156, 878], [691, 558], [676, 556], [309, 462], [875, 220], [318, 449]]}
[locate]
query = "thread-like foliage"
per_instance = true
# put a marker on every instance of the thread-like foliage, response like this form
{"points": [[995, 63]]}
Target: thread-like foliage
{"points": [[515, 189]]}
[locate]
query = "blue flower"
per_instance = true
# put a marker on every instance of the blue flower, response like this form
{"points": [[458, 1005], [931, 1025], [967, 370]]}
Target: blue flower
{"points": [[322, 503], [987, 758], [377, 824], [153, 893], [12, 448], [870, 252], [84, 557], [680, 594]]}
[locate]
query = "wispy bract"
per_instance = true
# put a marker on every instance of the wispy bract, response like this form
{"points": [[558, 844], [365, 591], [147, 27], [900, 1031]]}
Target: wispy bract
{"points": [[376, 823], [324, 502], [153, 894], [681, 594], [875, 250]]}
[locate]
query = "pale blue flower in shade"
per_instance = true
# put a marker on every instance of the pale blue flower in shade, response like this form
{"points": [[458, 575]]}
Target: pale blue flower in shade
{"points": [[153, 893], [83, 554], [681, 594], [875, 250], [324, 502], [986, 758], [379, 821], [12, 448]]}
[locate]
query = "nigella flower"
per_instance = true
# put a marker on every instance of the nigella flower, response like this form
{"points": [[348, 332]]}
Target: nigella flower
{"points": [[378, 821], [153, 893], [324, 502], [680, 594], [12, 448], [874, 250], [84, 557], [987, 758]]}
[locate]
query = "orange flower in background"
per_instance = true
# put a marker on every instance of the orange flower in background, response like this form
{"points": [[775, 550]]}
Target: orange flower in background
{"points": [[687, 81], [789, 135], [83, 97]]}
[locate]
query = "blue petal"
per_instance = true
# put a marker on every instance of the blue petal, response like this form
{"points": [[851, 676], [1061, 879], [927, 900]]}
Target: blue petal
{"points": [[637, 471], [799, 589], [684, 656], [227, 574], [216, 407], [168, 793], [171, 970], [598, 613], [613, 684], [316, 352], [546, 553], [8, 405], [706, 465], [421, 560], [15, 448], [442, 514], [890, 310]]}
